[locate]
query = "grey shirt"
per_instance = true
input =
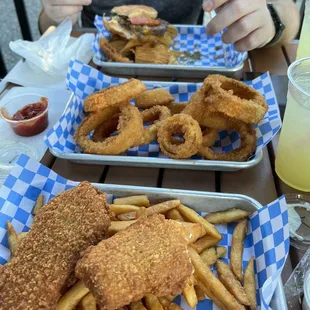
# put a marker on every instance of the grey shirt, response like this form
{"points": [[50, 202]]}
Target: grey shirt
{"points": [[173, 11]]}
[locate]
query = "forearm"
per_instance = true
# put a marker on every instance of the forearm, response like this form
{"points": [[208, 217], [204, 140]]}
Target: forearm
{"points": [[289, 16], [45, 22]]}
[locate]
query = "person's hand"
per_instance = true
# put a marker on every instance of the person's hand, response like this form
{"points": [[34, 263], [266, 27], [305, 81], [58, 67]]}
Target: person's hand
{"points": [[58, 10], [248, 22]]}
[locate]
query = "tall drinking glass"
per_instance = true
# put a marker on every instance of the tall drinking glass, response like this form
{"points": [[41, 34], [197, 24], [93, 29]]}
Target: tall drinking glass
{"points": [[293, 157]]}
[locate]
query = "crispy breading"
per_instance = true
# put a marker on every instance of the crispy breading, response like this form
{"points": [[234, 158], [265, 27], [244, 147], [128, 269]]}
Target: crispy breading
{"points": [[149, 257], [46, 257]]}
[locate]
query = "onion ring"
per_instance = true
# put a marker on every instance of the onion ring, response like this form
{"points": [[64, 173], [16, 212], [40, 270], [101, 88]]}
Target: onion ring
{"points": [[113, 95], [130, 128], [177, 107], [156, 115], [185, 126], [234, 98], [198, 109], [247, 146], [150, 98]]}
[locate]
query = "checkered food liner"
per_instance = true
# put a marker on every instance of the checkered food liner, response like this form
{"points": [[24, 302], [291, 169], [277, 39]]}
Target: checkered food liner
{"points": [[267, 237], [193, 39], [190, 38], [84, 80]]}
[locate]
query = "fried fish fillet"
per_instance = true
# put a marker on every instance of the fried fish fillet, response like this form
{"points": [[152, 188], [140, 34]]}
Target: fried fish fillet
{"points": [[45, 259], [149, 257]]}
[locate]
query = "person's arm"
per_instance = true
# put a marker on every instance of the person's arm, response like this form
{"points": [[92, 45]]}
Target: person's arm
{"points": [[249, 23], [55, 11], [290, 17]]}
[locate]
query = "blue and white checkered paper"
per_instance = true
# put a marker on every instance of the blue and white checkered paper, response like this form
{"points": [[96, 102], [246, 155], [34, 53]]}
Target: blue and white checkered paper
{"points": [[267, 238], [84, 80], [190, 39]]}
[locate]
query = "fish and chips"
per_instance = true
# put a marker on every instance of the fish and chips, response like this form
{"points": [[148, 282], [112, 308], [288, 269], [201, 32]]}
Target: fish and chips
{"points": [[74, 257]]}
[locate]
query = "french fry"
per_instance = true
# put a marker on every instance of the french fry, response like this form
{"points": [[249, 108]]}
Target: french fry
{"points": [[88, 302], [237, 244], [199, 293], [155, 55], [12, 238], [227, 277], [213, 284], [118, 226], [207, 292], [193, 216], [137, 305], [210, 256], [158, 208], [168, 305], [118, 44], [38, 205], [231, 215], [141, 213], [120, 209], [72, 298], [172, 31], [189, 293], [174, 214], [205, 243], [152, 303], [193, 231], [249, 284], [21, 236], [140, 201]]}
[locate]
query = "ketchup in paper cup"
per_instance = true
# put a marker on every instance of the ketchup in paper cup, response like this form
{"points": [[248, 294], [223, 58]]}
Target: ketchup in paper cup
{"points": [[26, 114]]}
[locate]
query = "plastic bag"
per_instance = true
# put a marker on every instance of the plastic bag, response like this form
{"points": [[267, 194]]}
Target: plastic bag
{"points": [[53, 52], [294, 287]]}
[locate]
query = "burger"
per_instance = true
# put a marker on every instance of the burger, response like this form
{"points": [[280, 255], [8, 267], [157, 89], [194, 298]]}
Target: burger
{"points": [[135, 22]]}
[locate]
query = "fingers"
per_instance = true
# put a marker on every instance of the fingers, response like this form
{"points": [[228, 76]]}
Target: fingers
{"points": [[242, 28], [209, 5], [59, 13], [232, 12], [254, 40]]}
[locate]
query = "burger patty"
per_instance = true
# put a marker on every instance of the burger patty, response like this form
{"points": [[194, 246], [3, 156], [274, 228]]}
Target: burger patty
{"points": [[141, 30]]}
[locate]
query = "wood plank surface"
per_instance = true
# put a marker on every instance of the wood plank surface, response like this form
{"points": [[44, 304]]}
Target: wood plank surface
{"points": [[132, 176], [78, 172], [189, 179], [256, 182], [269, 59]]}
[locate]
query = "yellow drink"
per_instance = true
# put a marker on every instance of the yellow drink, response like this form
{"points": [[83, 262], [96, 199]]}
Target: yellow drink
{"points": [[293, 157]]}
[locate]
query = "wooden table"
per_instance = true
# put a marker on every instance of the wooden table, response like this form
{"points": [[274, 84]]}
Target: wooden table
{"points": [[259, 182]]}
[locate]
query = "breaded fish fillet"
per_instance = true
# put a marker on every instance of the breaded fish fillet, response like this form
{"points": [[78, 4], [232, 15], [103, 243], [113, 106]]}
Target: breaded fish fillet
{"points": [[149, 257], [46, 257]]}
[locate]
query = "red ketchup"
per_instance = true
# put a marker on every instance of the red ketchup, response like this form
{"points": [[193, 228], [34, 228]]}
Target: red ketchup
{"points": [[31, 119]]}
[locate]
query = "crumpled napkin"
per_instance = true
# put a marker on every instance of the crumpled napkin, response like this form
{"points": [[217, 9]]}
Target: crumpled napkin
{"points": [[52, 53]]}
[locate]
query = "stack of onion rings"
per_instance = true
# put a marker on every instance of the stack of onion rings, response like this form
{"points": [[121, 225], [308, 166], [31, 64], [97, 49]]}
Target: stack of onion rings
{"points": [[182, 129]]}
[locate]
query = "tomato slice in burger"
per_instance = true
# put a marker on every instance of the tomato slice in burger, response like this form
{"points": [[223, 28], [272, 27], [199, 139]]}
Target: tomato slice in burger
{"points": [[144, 21]]}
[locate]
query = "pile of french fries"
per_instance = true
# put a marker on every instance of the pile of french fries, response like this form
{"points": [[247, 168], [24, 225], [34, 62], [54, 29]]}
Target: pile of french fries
{"points": [[231, 290], [147, 49]]}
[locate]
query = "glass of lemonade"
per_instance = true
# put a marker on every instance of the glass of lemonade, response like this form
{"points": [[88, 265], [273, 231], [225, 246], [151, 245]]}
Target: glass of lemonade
{"points": [[293, 157]]}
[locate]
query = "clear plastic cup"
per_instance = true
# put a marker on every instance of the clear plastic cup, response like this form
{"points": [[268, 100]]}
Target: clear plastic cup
{"points": [[26, 127], [299, 221]]}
